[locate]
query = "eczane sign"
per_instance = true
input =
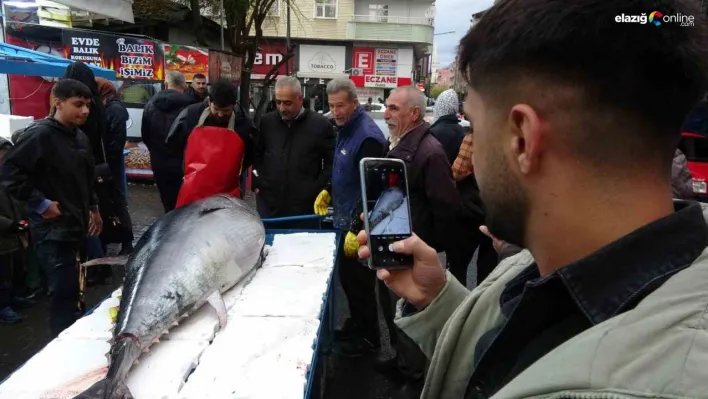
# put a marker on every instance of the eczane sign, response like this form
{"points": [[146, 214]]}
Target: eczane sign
{"points": [[388, 82]]}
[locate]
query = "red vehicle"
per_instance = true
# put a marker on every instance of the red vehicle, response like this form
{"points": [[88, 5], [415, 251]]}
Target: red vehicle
{"points": [[695, 147]]}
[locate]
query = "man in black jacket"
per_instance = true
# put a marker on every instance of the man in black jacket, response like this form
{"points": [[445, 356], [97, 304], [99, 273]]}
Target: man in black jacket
{"points": [[221, 106], [446, 127], [52, 169], [158, 117], [435, 206], [198, 90], [294, 155]]}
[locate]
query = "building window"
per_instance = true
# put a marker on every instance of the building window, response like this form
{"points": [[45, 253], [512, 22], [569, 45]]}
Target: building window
{"points": [[275, 9], [378, 12], [325, 8]]}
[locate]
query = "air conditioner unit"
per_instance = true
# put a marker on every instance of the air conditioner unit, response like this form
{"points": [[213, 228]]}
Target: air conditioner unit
{"points": [[357, 72]]}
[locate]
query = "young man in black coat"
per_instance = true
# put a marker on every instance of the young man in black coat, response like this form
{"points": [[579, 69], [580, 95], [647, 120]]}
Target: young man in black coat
{"points": [[221, 106], [52, 169], [158, 116]]}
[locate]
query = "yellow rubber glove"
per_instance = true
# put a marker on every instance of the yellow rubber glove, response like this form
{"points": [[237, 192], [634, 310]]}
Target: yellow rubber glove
{"points": [[322, 203], [113, 314], [351, 245]]}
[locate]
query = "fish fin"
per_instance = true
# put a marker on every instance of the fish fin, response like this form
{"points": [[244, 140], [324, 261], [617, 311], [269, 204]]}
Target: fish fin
{"points": [[76, 386], [217, 302], [110, 260], [105, 389]]}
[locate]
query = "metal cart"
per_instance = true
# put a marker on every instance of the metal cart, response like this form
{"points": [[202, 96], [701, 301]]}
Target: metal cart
{"points": [[322, 356]]}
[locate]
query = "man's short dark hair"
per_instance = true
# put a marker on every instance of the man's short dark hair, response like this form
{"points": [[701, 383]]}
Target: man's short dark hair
{"points": [[65, 89], [198, 76], [223, 94], [635, 77]]}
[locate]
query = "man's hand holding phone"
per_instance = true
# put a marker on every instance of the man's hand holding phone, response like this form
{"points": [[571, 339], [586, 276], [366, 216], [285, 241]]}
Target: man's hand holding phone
{"points": [[52, 212], [419, 284]]}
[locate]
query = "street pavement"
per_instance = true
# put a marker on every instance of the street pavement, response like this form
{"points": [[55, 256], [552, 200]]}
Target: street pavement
{"points": [[345, 377]]}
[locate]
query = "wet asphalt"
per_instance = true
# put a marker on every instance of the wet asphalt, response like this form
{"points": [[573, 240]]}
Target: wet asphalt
{"points": [[344, 378]]}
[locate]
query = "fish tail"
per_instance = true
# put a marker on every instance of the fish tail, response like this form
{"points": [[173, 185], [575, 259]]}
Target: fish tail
{"points": [[110, 260], [77, 385], [106, 389]]}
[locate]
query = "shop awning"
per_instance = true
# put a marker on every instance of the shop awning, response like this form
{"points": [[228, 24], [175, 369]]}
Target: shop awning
{"points": [[21, 61], [116, 9]]}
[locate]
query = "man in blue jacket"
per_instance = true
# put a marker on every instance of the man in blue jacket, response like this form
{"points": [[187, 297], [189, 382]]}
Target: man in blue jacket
{"points": [[358, 137]]}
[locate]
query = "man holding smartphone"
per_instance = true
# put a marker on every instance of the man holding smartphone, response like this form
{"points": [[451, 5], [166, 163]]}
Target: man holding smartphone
{"points": [[51, 168], [358, 137], [609, 297]]}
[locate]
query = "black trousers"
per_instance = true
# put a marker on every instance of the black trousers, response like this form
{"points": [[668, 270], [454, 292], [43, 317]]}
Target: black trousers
{"points": [[59, 262], [169, 181], [460, 255], [359, 282], [6, 278]]}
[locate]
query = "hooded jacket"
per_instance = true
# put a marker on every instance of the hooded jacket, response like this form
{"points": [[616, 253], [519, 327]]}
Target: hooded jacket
{"points": [[96, 124], [52, 162], [117, 117], [446, 128], [450, 134], [10, 213], [681, 178], [158, 116]]}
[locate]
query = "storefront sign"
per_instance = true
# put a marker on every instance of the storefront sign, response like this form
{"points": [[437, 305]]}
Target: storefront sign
{"points": [[322, 60], [269, 56], [386, 61], [376, 61], [88, 47], [187, 60], [137, 60], [226, 66], [314, 81], [365, 94], [364, 60], [381, 67], [388, 82], [131, 58]]}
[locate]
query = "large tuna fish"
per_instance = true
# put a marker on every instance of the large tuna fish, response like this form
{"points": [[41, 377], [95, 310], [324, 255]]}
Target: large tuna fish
{"points": [[188, 257], [389, 200]]}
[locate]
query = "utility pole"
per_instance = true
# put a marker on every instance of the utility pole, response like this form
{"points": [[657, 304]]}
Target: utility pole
{"points": [[221, 14], [287, 36]]}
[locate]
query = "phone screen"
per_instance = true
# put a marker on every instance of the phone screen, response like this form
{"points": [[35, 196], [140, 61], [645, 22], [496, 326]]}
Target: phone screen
{"points": [[388, 211]]}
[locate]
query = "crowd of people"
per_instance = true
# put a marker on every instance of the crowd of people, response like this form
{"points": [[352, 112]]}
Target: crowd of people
{"points": [[590, 267], [64, 196]]}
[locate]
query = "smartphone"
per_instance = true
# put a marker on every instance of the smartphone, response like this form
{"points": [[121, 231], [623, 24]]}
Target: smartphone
{"points": [[385, 199]]}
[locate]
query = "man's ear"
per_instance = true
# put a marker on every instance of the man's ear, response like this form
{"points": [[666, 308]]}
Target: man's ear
{"points": [[527, 137], [420, 115]]}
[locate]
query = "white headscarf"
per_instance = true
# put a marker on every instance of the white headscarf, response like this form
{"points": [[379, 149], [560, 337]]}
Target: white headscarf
{"points": [[446, 104]]}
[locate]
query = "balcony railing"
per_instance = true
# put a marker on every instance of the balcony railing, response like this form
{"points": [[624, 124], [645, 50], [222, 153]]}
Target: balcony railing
{"points": [[390, 19]]}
